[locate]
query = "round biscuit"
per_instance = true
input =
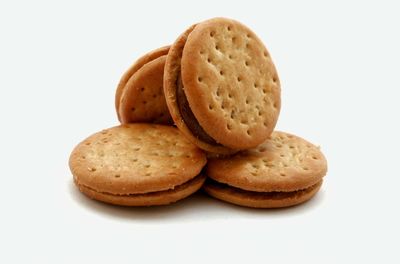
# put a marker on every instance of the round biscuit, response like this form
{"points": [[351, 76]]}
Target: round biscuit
{"points": [[283, 163], [260, 199], [135, 158], [133, 69], [147, 199], [231, 83], [143, 97]]}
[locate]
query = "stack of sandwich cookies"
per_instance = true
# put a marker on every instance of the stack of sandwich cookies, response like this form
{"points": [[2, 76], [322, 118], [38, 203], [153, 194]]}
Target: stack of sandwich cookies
{"points": [[140, 94], [283, 171], [137, 165], [221, 87], [218, 84]]}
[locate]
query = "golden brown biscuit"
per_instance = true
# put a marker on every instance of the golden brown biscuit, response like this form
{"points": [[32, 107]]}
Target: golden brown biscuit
{"points": [[221, 86], [285, 170], [155, 161], [140, 95]]}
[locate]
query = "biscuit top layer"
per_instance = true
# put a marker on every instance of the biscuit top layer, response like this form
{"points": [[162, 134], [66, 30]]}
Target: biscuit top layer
{"points": [[230, 83], [143, 97], [136, 158], [152, 55], [282, 163]]}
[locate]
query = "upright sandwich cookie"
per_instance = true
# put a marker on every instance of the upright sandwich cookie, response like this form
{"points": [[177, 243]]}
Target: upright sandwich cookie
{"points": [[140, 94], [137, 165], [221, 86], [283, 171]]}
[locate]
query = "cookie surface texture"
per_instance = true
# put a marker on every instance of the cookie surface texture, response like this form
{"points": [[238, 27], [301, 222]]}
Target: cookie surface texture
{"points": [[137, 164], [285, 170], [222, 72], [140, 94]]}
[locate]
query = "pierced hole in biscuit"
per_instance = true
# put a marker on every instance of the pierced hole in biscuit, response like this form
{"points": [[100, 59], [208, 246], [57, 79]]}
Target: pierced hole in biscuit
{"points": [[255, 166], [247, 45], [278, 145], [239, 79], [133, 109], [142, 89], [232, 114], [216, 47], [229, 95], [218, 93], [154, 95], [282, 155], [170, 155], [228, 28], [314, 157], [117, 175], [147, 166], [264, 91], [144, 102], [265, 124], [228, 126], [255, 85], [230, 56], [291, 147], [83, 157], [222, 106], [243, 121], [254, 173], [134, 160], [188, 156], [275, 105], [200, 79], [248, 35], [282, 174], [201, 52], [92, 169], [262, 149], [247, 101], [210, 107], [174, 166], [274, 79], [221, 72], [147, 174], [305, 168], [136, 149], [212, 33], [208, 60], [246, 63], [265, 54], [248, 132], [285, 165], [233, 39]]}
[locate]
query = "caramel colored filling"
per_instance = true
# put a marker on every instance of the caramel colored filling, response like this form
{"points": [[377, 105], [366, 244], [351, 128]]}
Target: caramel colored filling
{"points": [[188, 116], [263, 195]]}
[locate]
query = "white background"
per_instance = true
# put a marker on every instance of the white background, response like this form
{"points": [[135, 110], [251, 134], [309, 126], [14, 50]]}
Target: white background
{"points": [[339, 68]]}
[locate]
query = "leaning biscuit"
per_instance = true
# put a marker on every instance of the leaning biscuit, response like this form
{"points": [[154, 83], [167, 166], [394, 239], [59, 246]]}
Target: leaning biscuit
{"points": [[283, 171], [221, 86], [137, 165], [140, 95]]}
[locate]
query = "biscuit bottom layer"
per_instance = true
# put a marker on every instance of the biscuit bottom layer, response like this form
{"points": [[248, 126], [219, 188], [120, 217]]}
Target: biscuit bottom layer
{"points": [[146, 199], [246, 198], [188, 117]]}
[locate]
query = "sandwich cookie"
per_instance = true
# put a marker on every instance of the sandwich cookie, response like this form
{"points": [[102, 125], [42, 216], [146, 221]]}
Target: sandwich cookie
{"points": [[283, 171], [137, 165], [221, 86], [140, 94]]}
